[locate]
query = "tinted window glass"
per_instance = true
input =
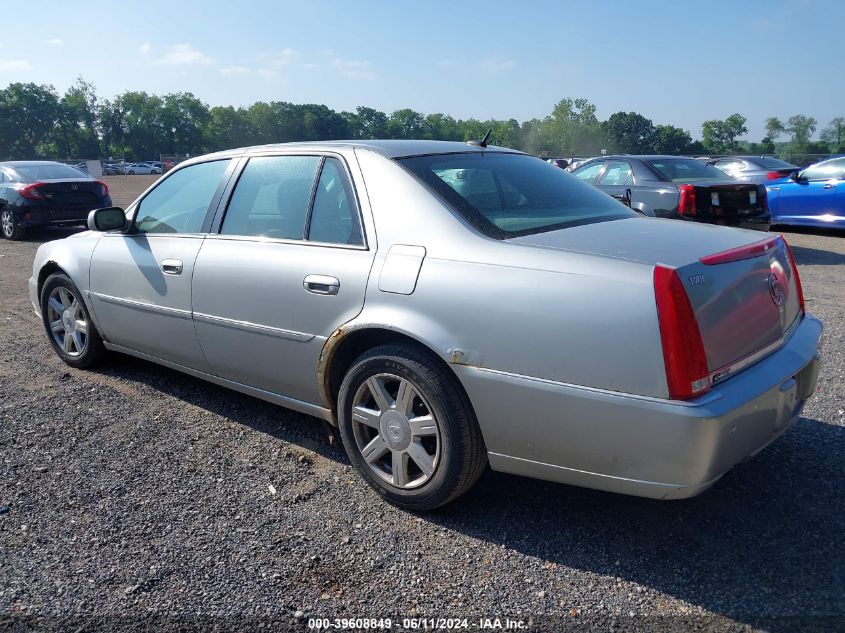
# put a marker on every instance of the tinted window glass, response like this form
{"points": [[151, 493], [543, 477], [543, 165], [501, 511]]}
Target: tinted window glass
{"points": [[334, 218], [685, 170], [589, 172], [826, 170], [768, 162], [180, 202], [506, 195], [617, 173], [48, 171], [271, 198]]}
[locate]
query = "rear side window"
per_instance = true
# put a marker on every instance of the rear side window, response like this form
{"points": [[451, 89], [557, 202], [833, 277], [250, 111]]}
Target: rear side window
{"points": [[334, 218], [180, 202], [767, 162], [272, 197], [617, 173], [827, 170], [507, 195]]}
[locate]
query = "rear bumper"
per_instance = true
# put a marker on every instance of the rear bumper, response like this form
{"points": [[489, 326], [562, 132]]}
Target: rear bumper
{"points": [[639, 445]]}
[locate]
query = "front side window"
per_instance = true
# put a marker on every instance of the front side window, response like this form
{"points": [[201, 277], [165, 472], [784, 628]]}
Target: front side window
{"points": [[507, 195], [334, 218], [180, 202], [826, 170], [588, 173], [272, 197], [617, 173]]}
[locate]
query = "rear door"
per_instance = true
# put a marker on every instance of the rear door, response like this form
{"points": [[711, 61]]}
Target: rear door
{"points": [[288, 265], [616, 179], [141, 282]]}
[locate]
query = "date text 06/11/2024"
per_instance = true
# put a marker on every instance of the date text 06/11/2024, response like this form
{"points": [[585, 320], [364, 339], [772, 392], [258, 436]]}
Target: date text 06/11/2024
{"points": [[417, 624]]}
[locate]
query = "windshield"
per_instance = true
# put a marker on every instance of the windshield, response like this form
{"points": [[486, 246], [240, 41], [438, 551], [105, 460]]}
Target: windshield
{"points": [[685, 170], [508, 195], [47, 171]]}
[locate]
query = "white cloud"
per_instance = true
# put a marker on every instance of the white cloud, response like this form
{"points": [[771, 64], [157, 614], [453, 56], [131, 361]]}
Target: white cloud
{"points": [[264, 73], [496, 65], [12, 65], [354, 69], [145, 48], [235, 70], [183, 55], [55, 41], [285, 57]]}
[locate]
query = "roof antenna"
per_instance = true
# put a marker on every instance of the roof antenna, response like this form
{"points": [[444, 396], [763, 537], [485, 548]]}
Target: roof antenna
{"points": [[483, 141]]}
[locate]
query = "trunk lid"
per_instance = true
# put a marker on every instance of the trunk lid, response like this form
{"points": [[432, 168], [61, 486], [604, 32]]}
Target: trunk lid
{"points": [[72, 193], [729, 200], [744, 301]]}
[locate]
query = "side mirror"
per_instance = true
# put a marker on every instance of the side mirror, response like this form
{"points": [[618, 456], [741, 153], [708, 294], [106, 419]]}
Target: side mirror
{"points": [[626, 199], [795, 175], [106, 219]]}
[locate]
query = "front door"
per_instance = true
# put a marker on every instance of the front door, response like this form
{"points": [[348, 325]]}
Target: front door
{"points": [[141, 281], [289, 265]]}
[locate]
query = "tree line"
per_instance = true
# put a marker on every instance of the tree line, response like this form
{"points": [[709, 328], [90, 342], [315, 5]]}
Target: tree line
{"points": [[38, 122]]}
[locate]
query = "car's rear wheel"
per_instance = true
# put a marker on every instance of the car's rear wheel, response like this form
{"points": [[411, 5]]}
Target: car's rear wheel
{"points": [[69, 326], [9, 227], [408, 427]]}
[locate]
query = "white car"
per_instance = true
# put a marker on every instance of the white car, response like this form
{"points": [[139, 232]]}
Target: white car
{"points": [[141, 168]]}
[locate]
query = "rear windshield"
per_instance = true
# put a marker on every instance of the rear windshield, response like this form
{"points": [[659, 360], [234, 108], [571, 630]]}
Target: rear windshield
{"points": [[774, 163], [685, 169], [508, 195], [47, 172]]}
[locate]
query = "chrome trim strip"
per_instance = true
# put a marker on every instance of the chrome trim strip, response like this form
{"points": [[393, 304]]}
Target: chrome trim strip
{"points": [[144, 307], [707, 398], [278, 240], [290, 403], [255, 328]]}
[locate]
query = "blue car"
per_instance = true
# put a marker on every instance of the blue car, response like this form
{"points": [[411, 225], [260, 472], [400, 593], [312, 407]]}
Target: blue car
{"points": [[814, 196]]}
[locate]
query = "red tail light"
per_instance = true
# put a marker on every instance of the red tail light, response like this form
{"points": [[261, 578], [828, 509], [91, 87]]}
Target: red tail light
{"points": [[797, 278], [105, 188], [686, 203], [683, 350], [30, 192], [774, 175]]}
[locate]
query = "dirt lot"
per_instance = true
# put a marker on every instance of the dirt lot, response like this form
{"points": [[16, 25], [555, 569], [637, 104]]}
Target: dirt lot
{"points": [[136, 496]]}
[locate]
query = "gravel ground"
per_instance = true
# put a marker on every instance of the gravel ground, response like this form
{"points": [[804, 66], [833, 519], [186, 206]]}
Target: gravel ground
{"points": [[133, 496]]}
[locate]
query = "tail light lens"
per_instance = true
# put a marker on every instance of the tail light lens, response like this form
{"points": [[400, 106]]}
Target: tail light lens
{"points": [[797, 278], [105, 187], [683, 350], [686, 203], [30, 192], [774, 175]]}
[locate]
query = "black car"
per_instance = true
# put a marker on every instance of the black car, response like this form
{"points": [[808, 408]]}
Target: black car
{"points": [[678, 187], [38, 193]]}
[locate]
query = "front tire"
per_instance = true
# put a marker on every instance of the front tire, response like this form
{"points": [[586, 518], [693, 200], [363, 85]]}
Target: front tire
{"points": [[69, 327], [9, 227], [408, 427]]}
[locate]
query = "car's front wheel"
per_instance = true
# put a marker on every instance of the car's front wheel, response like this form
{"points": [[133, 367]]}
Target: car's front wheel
{"points": [[68, 324], [408, 427], [9, 227]]}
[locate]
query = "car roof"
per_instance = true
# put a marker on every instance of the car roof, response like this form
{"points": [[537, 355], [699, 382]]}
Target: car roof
{"points": [[25, 163], [394, 148]]}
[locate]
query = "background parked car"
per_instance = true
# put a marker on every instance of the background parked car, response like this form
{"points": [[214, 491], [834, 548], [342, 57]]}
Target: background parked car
{"points": [[141, 168], [814, 196], [678, 187], [37, 193], [112, 169], [753, 168], [562, 163]]}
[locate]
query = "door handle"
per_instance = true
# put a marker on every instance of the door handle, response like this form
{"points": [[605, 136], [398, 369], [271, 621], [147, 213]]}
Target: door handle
{"points": [[171, 266], [321, 284], [829, 185]]}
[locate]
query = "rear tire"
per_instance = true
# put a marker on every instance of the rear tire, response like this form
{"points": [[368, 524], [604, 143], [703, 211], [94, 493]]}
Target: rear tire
{"points": [[9, 227], [402, 409], [68, 323]]}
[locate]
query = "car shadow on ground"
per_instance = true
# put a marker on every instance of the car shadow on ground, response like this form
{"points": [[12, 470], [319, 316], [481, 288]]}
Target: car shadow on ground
{"points": [[764, 546], [816, 256]]}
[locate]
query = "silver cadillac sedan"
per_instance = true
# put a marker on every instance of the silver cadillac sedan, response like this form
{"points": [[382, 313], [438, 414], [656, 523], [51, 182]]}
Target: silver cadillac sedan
{"points": [[448, 306]]}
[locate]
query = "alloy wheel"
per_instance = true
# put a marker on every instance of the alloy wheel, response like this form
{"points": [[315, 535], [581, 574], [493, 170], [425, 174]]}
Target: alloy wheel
{"points": [[7, 223], [68, 324], [396, 431]]}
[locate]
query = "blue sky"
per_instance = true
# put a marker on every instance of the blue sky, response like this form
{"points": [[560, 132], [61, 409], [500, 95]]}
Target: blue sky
{"points": [[677, 62]]}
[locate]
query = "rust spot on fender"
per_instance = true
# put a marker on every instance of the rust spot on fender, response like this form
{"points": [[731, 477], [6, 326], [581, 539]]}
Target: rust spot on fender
{"points": [[326, 356]]}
